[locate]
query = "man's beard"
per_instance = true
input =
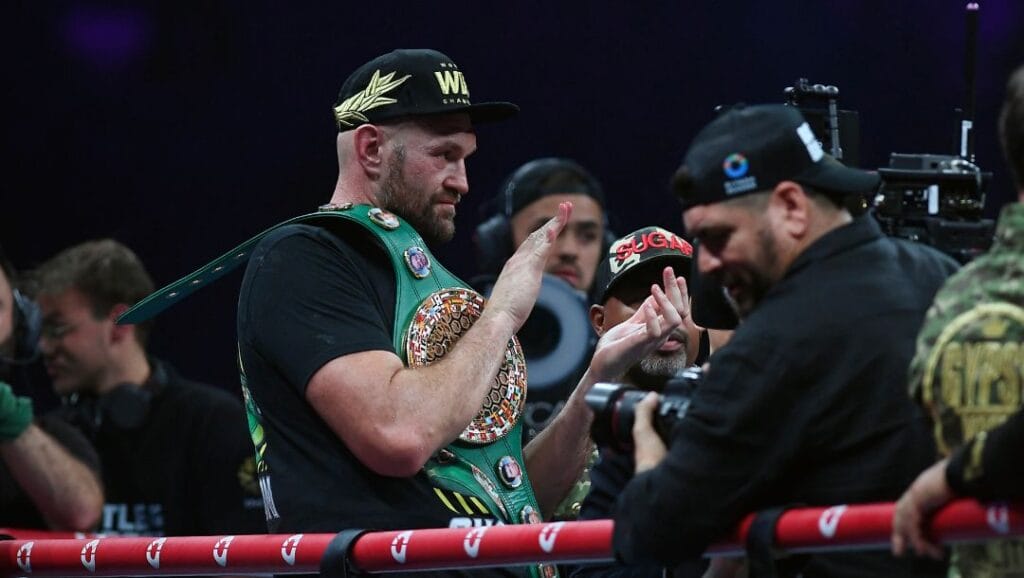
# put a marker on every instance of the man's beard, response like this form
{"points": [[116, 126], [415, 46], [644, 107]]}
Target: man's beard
{"points": [[413, 204], [654, 370], [760, 279]]}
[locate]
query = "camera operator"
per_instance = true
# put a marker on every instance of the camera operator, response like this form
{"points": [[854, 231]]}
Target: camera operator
{"points": [[631, 266], [979, 312], [806, 402]]}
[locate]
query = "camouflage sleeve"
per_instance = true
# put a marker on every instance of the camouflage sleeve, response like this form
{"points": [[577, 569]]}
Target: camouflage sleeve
{"points": [[989, 466], [948, 303]]}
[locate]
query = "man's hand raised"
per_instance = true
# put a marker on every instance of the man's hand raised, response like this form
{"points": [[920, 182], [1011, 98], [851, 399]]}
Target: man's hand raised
{"points": [[516, 289], [661, 314]]}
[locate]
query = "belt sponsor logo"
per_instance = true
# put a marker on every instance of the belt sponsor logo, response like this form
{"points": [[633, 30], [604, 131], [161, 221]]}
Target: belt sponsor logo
{"points": [[88, 556], [998, 518], [829, 520], [289, 548], [153, 552], [383, 218], [400, 545], [510, 472], [220, 551], [467, 522], [471, 543], [24, 556], [417, 261], [547, 536]]}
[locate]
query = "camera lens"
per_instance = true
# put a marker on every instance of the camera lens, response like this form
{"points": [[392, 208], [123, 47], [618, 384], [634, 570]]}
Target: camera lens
{"points": [[614, 407]]}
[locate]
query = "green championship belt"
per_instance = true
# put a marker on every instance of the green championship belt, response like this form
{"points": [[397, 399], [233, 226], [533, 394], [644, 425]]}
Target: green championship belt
{"points": [[433, 308]]}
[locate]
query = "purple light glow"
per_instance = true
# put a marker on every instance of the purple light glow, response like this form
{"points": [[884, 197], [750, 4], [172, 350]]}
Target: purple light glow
{"points": [[107, 38]]}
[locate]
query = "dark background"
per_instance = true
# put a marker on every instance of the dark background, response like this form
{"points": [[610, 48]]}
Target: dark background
{"points": [[183, 128]]}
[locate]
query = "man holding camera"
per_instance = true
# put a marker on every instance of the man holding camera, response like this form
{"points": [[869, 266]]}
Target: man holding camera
{"points": [[805, 403]]}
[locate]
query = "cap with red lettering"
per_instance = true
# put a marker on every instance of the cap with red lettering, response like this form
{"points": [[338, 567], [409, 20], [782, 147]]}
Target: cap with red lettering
{"points": [[631, 253]]}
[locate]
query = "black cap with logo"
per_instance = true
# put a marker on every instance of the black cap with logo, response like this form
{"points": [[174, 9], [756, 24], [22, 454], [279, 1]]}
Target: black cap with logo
{"points": [[753, 148], [410, 82], [637, 250]]}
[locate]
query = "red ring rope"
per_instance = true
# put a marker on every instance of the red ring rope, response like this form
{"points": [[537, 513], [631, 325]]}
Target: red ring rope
{"points": [[865, 526]]}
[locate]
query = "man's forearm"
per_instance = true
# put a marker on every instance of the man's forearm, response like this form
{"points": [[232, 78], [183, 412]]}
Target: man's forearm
{"points": [[556, 457], [394, 417], [453, 389], [65, 491], [989, 467]]}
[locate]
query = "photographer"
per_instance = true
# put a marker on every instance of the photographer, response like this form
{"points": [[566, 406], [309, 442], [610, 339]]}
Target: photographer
{"points": [[632, 265], [805, 403]]}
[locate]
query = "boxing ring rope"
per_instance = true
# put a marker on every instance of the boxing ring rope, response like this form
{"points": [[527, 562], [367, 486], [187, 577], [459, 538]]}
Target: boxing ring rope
{"points": [[864, 526]]}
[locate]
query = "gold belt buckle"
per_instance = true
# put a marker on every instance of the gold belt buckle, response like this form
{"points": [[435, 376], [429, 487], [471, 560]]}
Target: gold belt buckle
{"points": [[438, 323]]}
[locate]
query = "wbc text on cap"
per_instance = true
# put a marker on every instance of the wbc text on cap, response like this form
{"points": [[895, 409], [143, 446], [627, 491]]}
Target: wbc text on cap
{"points": [[752, 149], [410, 82]]}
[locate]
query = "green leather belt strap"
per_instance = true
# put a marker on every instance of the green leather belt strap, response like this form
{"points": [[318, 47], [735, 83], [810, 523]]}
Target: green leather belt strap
{"points": [[177, 291], [472, 469]]}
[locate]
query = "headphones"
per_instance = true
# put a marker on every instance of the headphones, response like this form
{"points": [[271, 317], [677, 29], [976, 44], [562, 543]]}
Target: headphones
{"points": [[122, 409], [493, 237], [28, 322]]}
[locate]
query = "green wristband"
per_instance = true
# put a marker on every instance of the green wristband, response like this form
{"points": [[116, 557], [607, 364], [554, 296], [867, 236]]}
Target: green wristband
{"points": [[15, 413]]}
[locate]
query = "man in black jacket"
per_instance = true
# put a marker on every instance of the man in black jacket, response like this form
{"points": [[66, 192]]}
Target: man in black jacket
{"points": [[806, 402]]}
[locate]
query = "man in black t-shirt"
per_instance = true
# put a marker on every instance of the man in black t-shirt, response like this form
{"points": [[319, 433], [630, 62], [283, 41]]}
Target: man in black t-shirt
{"points": [[806, 402], [344, 428]]}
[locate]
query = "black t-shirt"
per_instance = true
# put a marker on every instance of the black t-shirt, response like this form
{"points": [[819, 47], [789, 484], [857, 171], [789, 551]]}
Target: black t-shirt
{"points": [[16, 508], [311, 295], [186, 470], [806, 404]]}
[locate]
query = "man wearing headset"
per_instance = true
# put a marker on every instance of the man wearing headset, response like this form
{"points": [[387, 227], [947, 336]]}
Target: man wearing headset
{"points": [[530, 198], [176, 454]]}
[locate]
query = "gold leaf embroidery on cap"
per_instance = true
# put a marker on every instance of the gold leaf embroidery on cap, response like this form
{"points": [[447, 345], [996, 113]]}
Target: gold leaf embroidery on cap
{"points": [[353, 107]]}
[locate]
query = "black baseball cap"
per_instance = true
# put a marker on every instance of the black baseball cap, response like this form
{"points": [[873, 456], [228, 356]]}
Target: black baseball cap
{"points": [[639, 249], [410, 82], [546, 176], [747, 149]]}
